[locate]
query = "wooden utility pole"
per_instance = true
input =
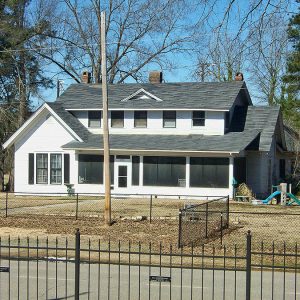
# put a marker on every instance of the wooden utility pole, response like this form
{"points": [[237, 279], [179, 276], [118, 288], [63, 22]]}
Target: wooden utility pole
{"points": [[107, 213]]}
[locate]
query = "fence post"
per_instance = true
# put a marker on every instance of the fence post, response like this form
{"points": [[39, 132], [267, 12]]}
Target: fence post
{"points": [[206, 220], [221, 228], [150, 213], [180, 229], [6, 204], [248, 266], [77, 264], [227, 224], [76, 212]]}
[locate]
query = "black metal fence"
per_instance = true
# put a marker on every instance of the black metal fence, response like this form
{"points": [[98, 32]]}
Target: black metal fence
{"points": [[75, 205], [81, 268], [199, 222]]}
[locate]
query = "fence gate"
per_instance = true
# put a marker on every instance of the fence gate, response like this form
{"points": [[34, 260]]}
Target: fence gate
{"points": [[87, 269]]}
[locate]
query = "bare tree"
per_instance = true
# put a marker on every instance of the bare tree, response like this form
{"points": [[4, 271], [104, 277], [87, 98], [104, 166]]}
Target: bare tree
{"points": [[223, 58], [139, 33], [267, 59]]}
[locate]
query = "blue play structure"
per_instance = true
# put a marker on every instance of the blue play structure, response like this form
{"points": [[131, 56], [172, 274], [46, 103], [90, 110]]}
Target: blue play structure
{"points": [[268, 200], [293, 198]]}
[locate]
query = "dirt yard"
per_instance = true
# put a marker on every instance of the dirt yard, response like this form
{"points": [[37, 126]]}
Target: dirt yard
{"points": [[36, 216]]}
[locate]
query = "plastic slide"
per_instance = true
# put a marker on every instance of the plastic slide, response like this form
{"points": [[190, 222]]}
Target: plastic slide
{"points": [[266, 201], [293, 199]]}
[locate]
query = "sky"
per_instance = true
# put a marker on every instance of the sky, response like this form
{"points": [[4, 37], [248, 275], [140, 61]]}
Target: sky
{"points": [[184, 65]]}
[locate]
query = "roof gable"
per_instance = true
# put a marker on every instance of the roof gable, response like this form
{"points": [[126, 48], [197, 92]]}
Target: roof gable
{"points": [[69, 122]]}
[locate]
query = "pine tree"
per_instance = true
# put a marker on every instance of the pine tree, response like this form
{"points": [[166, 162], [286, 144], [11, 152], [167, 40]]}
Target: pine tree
{"points": [[290, 102]]}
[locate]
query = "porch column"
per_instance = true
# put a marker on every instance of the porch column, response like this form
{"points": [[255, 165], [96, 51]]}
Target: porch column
{"points": [[187, 172], [231, 176], [141, 173]]}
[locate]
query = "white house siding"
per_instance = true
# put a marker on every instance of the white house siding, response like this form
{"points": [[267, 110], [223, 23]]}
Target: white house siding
{"points": [[45, 136], [214, 123]]}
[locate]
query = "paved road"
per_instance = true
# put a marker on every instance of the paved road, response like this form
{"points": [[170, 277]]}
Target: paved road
{"points": [[28, 281]]}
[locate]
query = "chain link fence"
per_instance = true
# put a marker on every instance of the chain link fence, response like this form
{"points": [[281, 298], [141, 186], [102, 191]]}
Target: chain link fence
{"points": [[199, 222], [75, 205]]}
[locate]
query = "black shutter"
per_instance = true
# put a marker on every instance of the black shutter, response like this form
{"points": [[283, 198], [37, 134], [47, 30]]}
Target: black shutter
{"points": [[30, 168], [66, 168]]}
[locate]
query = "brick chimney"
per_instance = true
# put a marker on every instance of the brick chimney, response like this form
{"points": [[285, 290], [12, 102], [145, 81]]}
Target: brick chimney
{"points": [[86, 77], [239, 76], [155, 77]]}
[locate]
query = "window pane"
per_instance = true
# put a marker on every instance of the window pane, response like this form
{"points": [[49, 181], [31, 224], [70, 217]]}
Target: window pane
{"points": [[122, 176], [122, 181], [169, 119], [198, 118], [55, 168], [42, 168], [140, 119], [164, 171], [90, 168], [209, 172], [117, 119], [94, 119], [135, 170]]}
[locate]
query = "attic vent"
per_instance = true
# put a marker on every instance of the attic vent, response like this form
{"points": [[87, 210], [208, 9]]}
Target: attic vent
{"points": [[144, 97]]}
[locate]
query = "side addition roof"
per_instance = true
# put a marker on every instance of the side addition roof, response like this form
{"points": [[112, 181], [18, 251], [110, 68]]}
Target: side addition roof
{"points": [[261, 118]]}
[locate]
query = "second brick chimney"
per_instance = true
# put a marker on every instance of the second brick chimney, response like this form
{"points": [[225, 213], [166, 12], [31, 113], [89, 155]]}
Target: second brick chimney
{"points": [[239, 76], [86, 77], [155, 77]]}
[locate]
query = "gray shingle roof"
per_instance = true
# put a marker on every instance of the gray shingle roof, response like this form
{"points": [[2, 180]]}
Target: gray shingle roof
{"points": [[191, 95], [261, 118], [70, 120], [292, 139], [231, 142]]}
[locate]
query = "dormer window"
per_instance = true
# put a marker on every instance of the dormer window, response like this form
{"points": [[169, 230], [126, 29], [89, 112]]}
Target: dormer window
{"points": [[94, 119], [198, 118], [169, 119], [117, 119], [140, 119]]}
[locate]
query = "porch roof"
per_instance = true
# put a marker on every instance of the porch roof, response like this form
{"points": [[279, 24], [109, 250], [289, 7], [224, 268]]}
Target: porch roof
{"points": [[233, 142]]}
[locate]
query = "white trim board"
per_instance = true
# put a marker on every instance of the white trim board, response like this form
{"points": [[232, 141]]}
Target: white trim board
{"points": [[148, 109]]}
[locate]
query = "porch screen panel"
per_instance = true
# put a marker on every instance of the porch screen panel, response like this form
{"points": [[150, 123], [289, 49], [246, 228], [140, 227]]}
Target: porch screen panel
{"points": [[135, 170], [111, 168], [209, 172], [163, 171], [90, 169]]}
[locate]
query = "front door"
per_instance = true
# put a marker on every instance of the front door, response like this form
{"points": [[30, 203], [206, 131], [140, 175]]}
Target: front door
{"points": [[122, 176]]}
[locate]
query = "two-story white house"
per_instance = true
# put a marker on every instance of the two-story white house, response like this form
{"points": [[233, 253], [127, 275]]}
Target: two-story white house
{"points": [[165, 138]]}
